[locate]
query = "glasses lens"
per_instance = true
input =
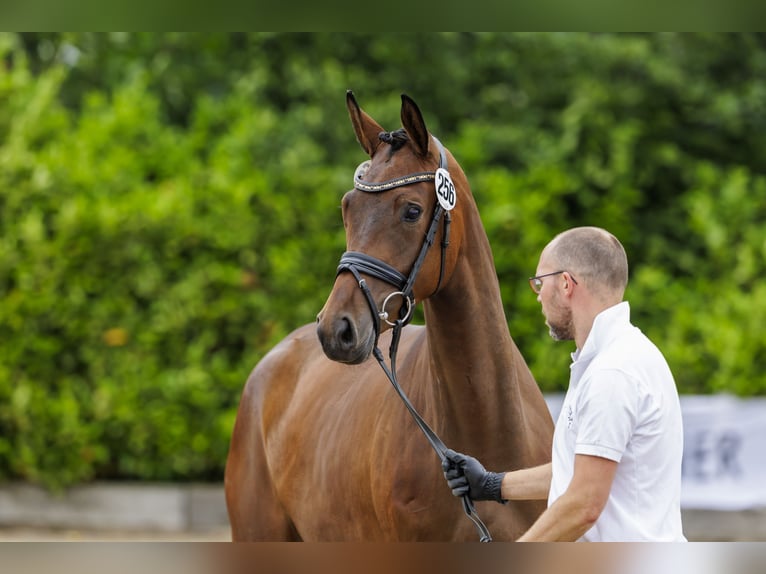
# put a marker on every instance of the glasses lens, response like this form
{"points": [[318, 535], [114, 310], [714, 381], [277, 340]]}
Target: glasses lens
{"points": [[536, 284]]}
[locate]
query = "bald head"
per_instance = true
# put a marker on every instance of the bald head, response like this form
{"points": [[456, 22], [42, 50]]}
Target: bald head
{"points": [[594, 257]]}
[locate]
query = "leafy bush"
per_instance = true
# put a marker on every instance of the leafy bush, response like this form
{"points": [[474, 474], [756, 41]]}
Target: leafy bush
{"points": [[169, 210]]}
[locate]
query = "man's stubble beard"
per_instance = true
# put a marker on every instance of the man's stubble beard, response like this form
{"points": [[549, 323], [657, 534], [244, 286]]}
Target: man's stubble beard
{"points": [[561, 328]]}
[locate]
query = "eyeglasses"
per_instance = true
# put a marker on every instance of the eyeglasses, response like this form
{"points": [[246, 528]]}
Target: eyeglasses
{"points": [[537, 282]]}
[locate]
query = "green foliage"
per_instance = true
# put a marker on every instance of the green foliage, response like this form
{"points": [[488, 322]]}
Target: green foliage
{"points": [[169, 210]]}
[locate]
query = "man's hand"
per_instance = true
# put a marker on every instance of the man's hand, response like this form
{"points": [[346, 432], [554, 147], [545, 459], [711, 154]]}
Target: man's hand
{"points": [[466, 475]]}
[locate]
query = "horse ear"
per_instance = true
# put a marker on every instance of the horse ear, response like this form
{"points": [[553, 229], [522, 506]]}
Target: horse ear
{"points": [[413, 122], [365, 127]]}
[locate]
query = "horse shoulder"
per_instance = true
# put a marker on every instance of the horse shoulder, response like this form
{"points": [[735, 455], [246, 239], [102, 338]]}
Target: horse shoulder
{"points": [[274, 378]]}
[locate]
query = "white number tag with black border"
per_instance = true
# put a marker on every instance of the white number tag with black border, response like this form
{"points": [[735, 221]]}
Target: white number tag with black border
{"points": [[445, 189]]}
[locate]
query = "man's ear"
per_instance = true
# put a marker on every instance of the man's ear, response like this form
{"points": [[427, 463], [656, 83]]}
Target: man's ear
{"points": [[568, 283]]}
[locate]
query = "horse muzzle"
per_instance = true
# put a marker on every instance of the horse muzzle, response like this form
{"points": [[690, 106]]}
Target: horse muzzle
{"points": [[344, 339]]}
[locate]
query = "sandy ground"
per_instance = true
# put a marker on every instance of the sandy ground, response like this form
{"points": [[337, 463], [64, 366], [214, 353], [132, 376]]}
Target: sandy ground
{"points": [[67, 535]]}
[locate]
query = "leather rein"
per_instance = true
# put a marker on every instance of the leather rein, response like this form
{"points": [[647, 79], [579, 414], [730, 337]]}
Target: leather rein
{"points": [[358, 263]]}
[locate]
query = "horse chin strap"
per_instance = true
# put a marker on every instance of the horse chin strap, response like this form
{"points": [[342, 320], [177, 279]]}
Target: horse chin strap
{"points": [[357, 263]]}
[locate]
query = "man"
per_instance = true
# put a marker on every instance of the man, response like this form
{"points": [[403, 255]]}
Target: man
{"points": [[615, 473]]}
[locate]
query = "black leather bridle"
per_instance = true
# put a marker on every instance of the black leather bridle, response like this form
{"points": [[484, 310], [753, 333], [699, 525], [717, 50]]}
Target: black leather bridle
{"points": [[358, 263]]}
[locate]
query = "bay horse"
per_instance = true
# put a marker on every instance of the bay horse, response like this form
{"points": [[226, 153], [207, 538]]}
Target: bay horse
{"points": [[322, 448]]}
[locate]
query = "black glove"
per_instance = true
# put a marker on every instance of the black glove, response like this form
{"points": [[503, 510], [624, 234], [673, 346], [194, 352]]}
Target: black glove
{"points": [[466, 475]]}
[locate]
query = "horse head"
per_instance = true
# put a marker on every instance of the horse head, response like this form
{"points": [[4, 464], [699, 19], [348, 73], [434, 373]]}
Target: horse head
{"points": [[401, 205]]}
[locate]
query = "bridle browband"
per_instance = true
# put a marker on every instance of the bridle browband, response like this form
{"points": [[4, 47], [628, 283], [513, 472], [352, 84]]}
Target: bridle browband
{"points": [[358, 263], [392, 183]]}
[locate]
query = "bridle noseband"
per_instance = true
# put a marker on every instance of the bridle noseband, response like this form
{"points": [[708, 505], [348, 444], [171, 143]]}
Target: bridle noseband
{"points": [[357, 263]]}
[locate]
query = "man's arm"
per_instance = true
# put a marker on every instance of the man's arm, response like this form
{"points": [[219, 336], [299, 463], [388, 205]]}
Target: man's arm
{"points": [[575, 512], [527, 483]]}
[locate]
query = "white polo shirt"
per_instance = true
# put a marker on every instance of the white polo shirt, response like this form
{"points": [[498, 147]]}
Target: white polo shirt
{"points": [[622, 404]]}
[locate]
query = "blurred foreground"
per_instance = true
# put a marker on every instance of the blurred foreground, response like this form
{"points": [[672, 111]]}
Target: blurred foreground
{"points": [[699, 558]]}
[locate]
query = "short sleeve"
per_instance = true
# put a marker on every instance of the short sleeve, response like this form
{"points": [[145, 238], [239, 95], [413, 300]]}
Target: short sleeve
{"points": [[607, 414]]}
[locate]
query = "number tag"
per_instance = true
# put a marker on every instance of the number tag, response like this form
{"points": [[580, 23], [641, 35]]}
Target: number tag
{"points": [[361, 170], [445, 189]]}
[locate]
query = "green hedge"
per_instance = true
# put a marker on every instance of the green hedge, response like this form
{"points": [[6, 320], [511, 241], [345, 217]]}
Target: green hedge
{"points": [[169, 209]]}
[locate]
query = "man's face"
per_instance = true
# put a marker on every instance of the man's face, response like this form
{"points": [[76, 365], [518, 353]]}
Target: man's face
{"points": [[558, 315]]}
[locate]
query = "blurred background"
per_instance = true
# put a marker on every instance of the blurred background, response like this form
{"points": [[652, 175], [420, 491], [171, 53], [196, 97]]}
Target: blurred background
{"points": [[170, 209]]}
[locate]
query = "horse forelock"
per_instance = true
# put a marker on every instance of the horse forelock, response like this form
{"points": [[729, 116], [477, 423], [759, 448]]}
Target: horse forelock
{"points": [[396, 139]]}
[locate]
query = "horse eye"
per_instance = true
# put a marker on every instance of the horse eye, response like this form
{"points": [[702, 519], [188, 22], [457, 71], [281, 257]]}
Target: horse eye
{"points": [[412, 213]]}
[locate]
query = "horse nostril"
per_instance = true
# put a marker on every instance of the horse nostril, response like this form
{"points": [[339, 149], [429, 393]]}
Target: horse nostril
{"points": [[346, 332]]}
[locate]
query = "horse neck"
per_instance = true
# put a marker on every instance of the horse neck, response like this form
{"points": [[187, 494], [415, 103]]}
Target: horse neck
{"points": [[479, 370]]}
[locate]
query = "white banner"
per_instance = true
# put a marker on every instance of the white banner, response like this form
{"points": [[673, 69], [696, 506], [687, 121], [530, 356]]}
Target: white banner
{"points": [[724, 466]]}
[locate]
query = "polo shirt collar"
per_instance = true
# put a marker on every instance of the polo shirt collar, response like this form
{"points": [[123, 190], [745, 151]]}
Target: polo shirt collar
{"points": [[605, 327]]}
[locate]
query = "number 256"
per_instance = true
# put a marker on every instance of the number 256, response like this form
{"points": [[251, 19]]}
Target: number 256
{"points": [[446, 189]]}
